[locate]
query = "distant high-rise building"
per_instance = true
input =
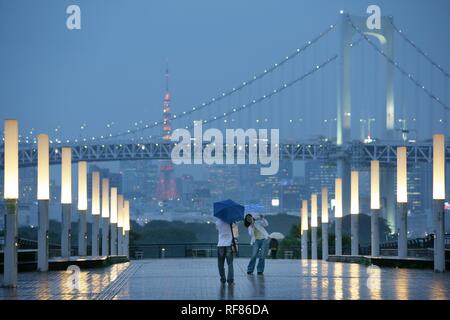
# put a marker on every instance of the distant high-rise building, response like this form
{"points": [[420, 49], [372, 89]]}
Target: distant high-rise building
{"points": [[139, 179], [318, 175]]}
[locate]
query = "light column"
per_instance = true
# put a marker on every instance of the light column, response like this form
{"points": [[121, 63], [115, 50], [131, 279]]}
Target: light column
{"points": [[126, 229], [43, 197], [66, 201], [439, 201], [113, 222], [11, 196], [354, 213], [82, 208], [324, 223], [314, 224], [402, 202], [95, 213], [304, 229], [105, 217], [338, 216], [120, 212], [375, 207]]}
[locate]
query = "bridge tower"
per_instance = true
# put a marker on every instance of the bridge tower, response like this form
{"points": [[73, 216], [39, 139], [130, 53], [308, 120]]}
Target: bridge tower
{"points": [[166, 189], [385, 36]]}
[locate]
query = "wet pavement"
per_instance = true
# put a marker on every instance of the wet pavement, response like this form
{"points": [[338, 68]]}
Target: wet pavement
{"points": [[197, 279]]}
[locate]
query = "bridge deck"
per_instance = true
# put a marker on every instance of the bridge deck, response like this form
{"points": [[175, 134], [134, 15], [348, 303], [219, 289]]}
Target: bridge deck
{"points": [[181, 279]]}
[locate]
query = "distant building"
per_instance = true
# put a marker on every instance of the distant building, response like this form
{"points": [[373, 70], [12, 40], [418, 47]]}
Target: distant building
{"points": [[139, 179]]}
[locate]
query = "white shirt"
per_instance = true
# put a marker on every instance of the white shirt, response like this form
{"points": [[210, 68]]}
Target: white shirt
{"points": [[259, 224], [225, 237]]}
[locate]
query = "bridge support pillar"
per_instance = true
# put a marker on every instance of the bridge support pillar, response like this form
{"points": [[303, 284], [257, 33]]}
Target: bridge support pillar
{"points": [[354, 234], [113, 239], [305, 245], [402, 230], [10, 251], [338, 233], [65, 230], [324, 241], [105, 236], [375, 232], [439, 232], [95, 230], [314, 243], [82, 233], [43, 206]]}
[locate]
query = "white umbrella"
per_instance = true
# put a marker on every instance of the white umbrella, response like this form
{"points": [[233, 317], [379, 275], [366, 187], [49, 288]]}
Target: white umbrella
{"points": [[276, 235]]}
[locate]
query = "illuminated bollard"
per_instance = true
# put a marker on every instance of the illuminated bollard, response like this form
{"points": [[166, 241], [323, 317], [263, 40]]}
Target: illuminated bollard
{"points": [[338, 216], [95, 213], [43, 197], [11, 195], [402, 201], [375, 207], [82, 208], [105, 217], [438, 201], [126, 228], [120, 212], [304, 229], [354, 213], [113, 222], [66, 201], [314, 224], [324, 223]]}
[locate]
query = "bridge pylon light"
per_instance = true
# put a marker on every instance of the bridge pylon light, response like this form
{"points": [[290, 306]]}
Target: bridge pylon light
{"points": [[82, 208], [439, 201], [402, 201], [11, 196], [43, 197], [375, 207], [354, 213], [324, 219], [66, 201]]}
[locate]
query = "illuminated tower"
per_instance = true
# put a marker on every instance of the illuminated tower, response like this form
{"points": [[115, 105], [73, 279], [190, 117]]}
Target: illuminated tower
{"points": [[166, 189]]}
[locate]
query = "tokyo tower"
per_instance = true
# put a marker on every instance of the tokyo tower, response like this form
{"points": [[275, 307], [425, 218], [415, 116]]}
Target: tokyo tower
{"points": [[166, 189]]}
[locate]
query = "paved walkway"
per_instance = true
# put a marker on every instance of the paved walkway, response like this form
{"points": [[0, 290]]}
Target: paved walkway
{"points": [[197, 279]]}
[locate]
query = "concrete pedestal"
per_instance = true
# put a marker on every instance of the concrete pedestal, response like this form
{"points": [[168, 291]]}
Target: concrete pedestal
{"points": [[82, 233], [95, 230], [305, 245], [338, 234], [402, 230], [105, 236], [113, 239], [314, 243], [375, 233], [120, 241], [10, 249], [43, 208], [439, 233], [65, 230], [127, 244], [324, 241], [354, 234]]}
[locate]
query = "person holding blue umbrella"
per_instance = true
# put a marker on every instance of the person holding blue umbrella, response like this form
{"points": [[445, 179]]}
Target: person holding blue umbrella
{"points": [[227, 213]]}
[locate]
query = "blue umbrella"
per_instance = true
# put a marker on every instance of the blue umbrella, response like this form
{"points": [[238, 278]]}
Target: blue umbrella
{"points": [[229, 211]]}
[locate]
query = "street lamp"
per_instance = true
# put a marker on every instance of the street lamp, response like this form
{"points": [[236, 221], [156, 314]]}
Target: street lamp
{"points": [[82, 207], [402, 201], [439, 201], [304, 229], [105, 217], [354, 213], [95, 212], [11, 196], [338, 215], [43, 196], [113, 222], [375, 206], [66, 200], [314, 224], [324, 223]]}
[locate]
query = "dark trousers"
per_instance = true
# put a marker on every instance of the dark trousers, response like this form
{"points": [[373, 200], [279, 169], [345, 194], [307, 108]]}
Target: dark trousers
{"points": [[225, 253]]}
